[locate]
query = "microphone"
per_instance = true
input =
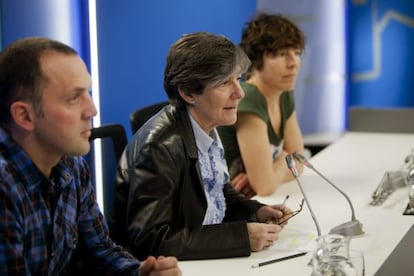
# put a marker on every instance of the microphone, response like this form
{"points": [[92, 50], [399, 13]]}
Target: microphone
{"points": [[350, 228], [292, 168]]}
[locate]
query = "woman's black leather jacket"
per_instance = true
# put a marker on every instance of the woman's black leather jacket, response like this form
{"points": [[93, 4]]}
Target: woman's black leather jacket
{"points": [[160, 202]]}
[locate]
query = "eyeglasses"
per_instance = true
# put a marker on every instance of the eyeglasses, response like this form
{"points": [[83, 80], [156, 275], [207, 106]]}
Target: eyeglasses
{"points": [[294, 213]]}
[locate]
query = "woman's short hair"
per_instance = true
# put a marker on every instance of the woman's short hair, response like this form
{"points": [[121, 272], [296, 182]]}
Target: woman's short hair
{"points": [[268, 33], [200, 60]]}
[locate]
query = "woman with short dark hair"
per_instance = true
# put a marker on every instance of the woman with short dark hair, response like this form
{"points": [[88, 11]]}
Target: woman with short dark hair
{"points": [[173, 192], [267, 125]]}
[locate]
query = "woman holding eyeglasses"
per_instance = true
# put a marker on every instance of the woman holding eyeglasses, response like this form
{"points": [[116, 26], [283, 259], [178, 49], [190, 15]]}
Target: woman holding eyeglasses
{"points": [[173, 191]]}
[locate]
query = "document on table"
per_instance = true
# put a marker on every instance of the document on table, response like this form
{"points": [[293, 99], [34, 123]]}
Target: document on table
{"points": [[295, 241]]}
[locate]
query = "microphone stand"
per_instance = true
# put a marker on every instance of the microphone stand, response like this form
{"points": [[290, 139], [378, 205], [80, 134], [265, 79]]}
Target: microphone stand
{"points": [[350, 228], [295, 174]]}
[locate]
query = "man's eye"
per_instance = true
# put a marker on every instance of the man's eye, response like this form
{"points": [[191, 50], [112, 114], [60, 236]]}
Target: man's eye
{"points": [[74, 97]]}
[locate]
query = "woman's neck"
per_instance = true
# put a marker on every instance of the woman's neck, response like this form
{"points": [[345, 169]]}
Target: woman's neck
{"points": [[270, 94]]}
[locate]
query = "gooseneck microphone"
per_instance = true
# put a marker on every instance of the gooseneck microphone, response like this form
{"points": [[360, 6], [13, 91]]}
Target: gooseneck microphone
{"points": [[350, 228], [292, 168]]}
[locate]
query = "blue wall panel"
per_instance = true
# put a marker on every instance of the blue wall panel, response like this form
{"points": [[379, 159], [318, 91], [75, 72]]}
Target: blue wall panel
{"points": [[133, 40], [382, 35], [61, 20]]}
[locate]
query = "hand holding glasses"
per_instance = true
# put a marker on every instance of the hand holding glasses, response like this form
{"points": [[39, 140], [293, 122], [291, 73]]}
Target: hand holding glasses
{"points": [[292, 214]]}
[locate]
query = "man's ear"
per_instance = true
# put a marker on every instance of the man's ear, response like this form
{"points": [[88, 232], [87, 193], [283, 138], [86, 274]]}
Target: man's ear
{"points": [[188, 98], [22, 114]]}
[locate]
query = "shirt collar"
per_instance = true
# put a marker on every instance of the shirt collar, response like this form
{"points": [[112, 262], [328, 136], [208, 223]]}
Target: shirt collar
{"points": [[25, 169], [204, 140]]}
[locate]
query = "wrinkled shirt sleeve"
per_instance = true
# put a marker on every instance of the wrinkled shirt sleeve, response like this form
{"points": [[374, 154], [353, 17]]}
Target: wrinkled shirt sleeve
{"points": [[95, 232]]}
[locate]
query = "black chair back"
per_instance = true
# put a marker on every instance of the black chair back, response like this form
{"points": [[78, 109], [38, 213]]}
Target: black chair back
{"points": [[114, 140], [117, 134], [140, 116]]}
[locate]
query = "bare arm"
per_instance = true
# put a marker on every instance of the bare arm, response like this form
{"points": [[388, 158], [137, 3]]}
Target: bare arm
{"points": [[264, 175]]}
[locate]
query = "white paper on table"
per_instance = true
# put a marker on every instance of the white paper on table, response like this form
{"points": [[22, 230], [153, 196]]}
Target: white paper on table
{"points": [[295, 241]]}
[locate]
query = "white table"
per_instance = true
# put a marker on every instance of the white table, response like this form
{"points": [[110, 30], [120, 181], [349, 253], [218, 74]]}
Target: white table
{"points": [[356, 163]]}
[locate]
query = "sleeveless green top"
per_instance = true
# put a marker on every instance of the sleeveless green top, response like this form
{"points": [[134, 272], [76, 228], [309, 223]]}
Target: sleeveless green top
{"points": [[255, 103]]}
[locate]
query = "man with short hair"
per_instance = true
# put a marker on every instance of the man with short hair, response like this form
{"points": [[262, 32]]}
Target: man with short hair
{"points": [[47, 201]]}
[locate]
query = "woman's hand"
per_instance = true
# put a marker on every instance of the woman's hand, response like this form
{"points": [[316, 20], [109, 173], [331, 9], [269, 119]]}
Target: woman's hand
{"points": [[274, 214], [262, 235], [161, 266]]}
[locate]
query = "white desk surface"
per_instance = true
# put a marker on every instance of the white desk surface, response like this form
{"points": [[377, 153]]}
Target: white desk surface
{"points": [[321, 139], [356, 163]]}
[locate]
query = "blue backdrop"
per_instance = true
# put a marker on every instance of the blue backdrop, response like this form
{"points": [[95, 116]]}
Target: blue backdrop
{"points": [[134, 37], [133, 40], [64, 20], [381, 56]]}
